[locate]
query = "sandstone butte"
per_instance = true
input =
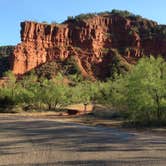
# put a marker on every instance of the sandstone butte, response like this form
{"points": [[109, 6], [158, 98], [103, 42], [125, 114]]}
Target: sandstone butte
{"points": [[93, 42]]}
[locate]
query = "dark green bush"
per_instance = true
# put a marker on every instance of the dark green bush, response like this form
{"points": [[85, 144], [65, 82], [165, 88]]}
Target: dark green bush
{"points": [[6, 102]]}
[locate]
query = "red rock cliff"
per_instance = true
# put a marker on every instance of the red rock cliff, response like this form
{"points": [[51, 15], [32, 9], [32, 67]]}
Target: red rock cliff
{"points": [[92, 42]]}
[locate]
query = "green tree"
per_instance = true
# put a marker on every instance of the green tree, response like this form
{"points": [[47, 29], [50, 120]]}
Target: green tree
{"points": [[8, 91], [11, 78], [146, 89], [54, 93], [86, 92]]}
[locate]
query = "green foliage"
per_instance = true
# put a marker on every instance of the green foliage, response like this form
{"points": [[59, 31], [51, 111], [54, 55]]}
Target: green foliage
{"points": [[11, 78], [140, 94], [146, 89], [142, 91], [70, 18], [6, 50], [105, 50], [75, 78], [114, 63], [118, 65], [82, 16], [135, 29], [48, 70], [70, 67], [4, 65], [5, 53], [85, 92], [29, 91], [124, 13], [54, 94], [85, 16], [7, 93], [160, 30]]}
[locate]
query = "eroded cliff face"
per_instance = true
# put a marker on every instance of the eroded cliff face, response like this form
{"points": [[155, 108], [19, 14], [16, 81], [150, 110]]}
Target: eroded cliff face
{"points": [[92, 42]]}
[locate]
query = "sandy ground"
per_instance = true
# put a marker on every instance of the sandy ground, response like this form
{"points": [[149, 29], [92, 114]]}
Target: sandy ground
{"points": [[42, 141]]}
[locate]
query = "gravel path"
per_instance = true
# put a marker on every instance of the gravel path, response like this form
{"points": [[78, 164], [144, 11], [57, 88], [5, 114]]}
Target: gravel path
{"points": [[27, 141]]}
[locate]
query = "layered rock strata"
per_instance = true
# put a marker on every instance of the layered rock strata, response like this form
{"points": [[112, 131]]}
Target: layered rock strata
{"points": [[93, 43]]}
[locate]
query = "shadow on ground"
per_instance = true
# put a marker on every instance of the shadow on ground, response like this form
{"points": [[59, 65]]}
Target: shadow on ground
{"points": [[21, 136]]}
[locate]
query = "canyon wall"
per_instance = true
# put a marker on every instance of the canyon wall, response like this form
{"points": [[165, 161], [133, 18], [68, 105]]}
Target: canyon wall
{"points": [[93, 43]]}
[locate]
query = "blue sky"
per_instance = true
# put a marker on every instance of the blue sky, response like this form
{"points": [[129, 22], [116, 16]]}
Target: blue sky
{"points": [[12, 12]]}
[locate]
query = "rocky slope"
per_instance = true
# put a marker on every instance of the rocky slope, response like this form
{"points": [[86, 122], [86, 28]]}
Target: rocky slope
{"points": [[98, 43]]}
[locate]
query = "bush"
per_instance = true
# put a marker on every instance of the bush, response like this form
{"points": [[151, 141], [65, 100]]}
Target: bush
{"points": [[6, 102], [140, 93]]}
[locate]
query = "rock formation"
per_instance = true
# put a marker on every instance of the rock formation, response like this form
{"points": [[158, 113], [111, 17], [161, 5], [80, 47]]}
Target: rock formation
{"points": [[94, 42]]}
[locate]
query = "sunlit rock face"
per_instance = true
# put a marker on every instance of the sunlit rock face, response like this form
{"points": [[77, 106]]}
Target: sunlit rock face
{"points": [[93, 42]]}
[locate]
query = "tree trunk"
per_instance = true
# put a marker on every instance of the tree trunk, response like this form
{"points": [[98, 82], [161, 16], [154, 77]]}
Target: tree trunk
{"points": [[85, 107], [49, 107], [158, 107], [147, 116]]}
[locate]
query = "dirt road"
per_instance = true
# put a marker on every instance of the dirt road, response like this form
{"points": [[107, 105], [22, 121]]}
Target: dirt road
{"points": [[27, 141]]}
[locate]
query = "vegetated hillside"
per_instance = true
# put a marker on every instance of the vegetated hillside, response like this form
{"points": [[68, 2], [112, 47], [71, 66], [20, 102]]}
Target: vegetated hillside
{"points": [[5, 54], [67, 68], [100, 44]]}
